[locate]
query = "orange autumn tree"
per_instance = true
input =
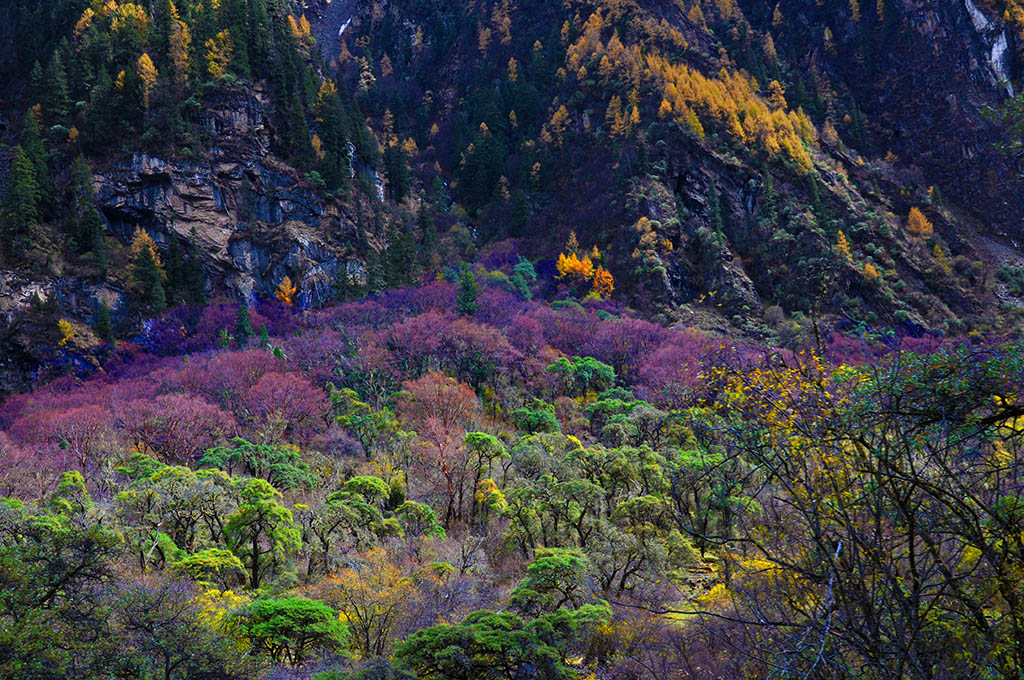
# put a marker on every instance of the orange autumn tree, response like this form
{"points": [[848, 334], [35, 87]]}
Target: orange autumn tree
{"points": [[286, 291], [604, 284], [579, 270]]}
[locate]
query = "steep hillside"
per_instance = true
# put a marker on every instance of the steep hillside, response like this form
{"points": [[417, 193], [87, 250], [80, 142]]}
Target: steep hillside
{"points": [[713, 152]]}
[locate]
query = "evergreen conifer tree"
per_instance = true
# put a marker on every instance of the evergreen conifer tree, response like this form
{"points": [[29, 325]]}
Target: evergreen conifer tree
{"points": [[150, 279], [192, 277], [469, 291], [103, 325], [21, 201], [56, 98], [243, 324], [32, 143]]}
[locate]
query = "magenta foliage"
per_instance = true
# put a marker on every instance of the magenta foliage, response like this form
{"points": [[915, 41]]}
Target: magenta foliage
{"points": [[526, 334], [284, 406], [29, 472], [625, 343], [176, 427], [567, 330], [461, 346], [323, 356], [498, 307], [670, 374], [225, 377]]}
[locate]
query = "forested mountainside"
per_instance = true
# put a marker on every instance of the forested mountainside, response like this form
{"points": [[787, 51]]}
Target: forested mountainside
{"points": [[511, 339], [730, 165]]}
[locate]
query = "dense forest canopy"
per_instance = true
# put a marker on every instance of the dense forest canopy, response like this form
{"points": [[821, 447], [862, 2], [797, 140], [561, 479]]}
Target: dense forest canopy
{"points": [[402, 487]]}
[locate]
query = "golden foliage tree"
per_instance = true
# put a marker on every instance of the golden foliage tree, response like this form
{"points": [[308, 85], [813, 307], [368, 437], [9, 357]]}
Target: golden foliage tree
{"points": [[180, 46], [556, 127], [917, 224], [843, 246], [870, 272], [286, 291], [148, 74], [372, 599], [67, 332], [776, 95], [142, 240], [483, 39], [219, 50], [575, 268]]}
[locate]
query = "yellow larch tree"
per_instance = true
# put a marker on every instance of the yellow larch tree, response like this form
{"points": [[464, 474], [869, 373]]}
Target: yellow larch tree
{"points": [[917, 224], [843, 246], [140, 240], [219, 50], [776, 95], [941, 258], [483, 38], [572, 245], [180, 46], [148, 74], [558, 124]]}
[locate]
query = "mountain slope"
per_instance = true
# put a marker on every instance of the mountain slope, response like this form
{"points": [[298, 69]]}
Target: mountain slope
{"points": [[732, 165], [591, 116]]}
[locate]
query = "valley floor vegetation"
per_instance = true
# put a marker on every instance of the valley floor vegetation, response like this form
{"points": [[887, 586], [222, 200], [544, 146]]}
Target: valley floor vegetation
{"points": [[457, 482]]}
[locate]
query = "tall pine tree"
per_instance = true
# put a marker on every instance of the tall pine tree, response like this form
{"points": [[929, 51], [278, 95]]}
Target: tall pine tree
{"points": [[21, 203]]}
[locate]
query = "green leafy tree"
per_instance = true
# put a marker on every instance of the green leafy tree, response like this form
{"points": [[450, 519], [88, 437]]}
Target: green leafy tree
{"points": [[554, 579], [580, 375], [291, 629], [538, 416], [280, 465], [499, 646], [262, 533], [213, 565]]}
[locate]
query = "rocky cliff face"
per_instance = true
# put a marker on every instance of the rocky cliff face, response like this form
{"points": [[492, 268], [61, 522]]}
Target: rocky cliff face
{"points": [[253, 218]]}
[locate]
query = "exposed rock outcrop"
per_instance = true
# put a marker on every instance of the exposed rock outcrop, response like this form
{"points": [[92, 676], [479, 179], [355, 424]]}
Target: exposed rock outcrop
{"points": [[253, 218]]}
